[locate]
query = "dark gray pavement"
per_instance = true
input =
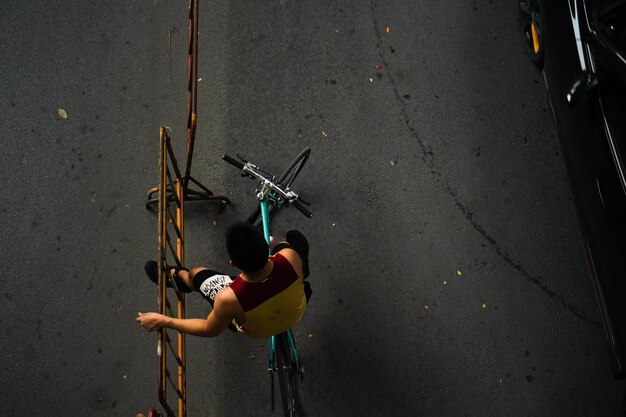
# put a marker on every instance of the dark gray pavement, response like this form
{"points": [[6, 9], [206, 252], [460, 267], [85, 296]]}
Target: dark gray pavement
{"points": [[447, 264]]}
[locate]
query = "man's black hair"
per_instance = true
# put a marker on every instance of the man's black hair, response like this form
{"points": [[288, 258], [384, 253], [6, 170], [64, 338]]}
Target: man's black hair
{"points": [[246, 247]]}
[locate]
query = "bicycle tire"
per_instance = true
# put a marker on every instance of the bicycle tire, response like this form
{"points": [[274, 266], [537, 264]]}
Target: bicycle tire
{"points": [[286, 179], [286, 367]]}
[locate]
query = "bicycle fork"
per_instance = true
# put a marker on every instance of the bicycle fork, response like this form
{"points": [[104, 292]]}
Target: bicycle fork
{"points": [[272, 368]]}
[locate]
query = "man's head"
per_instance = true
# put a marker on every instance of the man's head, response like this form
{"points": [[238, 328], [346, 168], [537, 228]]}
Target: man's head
{"points": [[246, 247]]}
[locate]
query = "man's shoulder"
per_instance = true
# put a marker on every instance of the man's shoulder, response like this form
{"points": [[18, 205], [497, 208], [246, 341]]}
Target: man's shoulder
{"points": [[226, 299], [290, 254], [292, 257]]}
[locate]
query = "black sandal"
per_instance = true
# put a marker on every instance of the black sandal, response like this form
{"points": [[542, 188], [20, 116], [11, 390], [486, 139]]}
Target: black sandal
{"points": [[176, 269], [152, 270]]}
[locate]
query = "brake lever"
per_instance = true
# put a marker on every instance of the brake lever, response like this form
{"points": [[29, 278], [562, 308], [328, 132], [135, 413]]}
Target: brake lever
{"points": [[242, 159], [303, 201], [245, 161]]}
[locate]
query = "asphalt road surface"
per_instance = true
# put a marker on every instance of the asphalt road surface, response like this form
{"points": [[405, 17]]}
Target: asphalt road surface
{"points": [[447, 264]]}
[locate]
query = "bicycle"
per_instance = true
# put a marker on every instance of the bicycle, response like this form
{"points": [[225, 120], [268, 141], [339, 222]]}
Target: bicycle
{"points": [[273, 193]]}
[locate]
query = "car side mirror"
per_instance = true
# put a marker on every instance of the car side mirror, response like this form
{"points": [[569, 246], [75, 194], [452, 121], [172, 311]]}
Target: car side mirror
{"points": [[582, 86]]}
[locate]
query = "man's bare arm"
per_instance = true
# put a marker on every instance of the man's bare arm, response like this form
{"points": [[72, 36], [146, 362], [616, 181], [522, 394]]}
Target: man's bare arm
{"points": [[218, 320]]}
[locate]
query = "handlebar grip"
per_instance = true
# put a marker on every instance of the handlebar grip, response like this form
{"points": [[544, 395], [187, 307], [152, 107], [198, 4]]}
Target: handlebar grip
{"points": [[233, 161], [302, 209]]}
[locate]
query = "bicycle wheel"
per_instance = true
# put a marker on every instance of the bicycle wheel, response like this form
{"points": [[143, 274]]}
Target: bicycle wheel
{"points": [[285, 363], [286, 179]]}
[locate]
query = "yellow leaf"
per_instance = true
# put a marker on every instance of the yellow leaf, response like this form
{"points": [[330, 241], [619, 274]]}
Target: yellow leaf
{"points": [[445, 282], [388, 29], [484, 305], [458, 273], [62, 113], [426, 307]]}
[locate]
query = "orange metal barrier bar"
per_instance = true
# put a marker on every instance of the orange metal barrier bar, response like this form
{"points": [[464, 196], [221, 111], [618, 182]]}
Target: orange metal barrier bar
{"points": [[192, 84], [165, 218], [204, 194]]}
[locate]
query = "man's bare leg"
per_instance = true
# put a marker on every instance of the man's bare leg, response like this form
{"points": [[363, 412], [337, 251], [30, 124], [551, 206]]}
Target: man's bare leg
{"points": [[187, 276]]}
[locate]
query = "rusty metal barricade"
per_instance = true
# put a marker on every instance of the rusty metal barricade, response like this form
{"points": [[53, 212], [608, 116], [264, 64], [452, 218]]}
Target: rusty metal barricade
{"points": [[172, 192]]}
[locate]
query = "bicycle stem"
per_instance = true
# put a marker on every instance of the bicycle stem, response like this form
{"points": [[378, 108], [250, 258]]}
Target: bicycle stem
{"points": [[266, 222]]}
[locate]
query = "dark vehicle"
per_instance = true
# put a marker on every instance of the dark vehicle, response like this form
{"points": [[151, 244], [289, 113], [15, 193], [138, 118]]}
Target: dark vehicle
{"points": [[581, 47]]}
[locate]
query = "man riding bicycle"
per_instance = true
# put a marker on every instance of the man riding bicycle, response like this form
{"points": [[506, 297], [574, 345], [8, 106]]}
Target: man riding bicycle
{"points": [[268, 297]]}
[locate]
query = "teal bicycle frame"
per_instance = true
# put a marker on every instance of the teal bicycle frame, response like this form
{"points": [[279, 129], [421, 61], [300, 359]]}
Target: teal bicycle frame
{"points": [[272, 342]]}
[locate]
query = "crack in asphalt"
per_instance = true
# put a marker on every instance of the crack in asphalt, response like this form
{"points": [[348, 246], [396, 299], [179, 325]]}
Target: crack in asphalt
{"points": [[428, 159], [93, 274]]}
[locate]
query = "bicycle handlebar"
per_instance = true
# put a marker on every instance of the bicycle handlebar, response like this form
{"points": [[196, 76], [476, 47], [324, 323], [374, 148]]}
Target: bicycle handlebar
{"points": [[297, 204], [233, 161], [247, 169]]}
